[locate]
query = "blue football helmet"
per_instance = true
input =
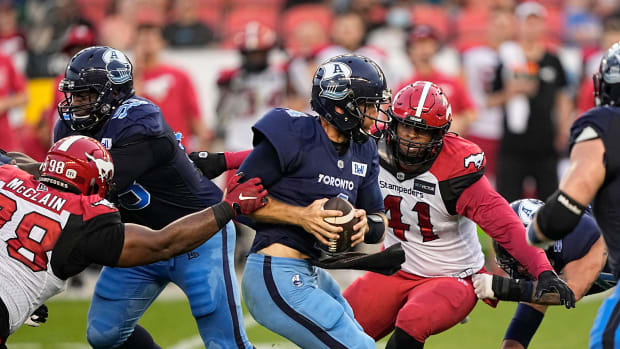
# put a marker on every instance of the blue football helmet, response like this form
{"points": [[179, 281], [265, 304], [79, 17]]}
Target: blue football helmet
{"points": [[352, 83], [97, 80], [607, 79], [525, 209]]}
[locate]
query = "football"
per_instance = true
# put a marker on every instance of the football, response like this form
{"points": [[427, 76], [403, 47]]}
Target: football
{"points": [[346, 221]]}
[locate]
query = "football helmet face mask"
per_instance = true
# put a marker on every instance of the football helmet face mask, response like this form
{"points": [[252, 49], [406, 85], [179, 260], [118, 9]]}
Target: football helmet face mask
{"points": [[97, 80], [423, 107], [607, 79], [78, 164], [525, 210], [348, 89]]}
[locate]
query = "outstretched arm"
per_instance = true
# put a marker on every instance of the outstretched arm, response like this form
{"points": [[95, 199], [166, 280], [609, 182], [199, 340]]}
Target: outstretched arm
{"points": [[143, 245]]}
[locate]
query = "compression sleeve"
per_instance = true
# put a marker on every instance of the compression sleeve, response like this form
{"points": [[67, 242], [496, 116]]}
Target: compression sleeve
{"points": [[483, 205], [263, 163], [234, 159]]}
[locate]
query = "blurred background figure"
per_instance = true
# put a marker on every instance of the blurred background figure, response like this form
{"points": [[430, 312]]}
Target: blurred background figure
{"points": [[479, 66], [538, 110], [186, 30], [423, 43], [12, 39], [13, 94], [169, 87], [248, 91], [37, 139]]}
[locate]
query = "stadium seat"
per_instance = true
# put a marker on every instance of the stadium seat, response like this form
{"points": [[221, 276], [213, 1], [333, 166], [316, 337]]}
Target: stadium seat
{"points": [[431, 15], [293, 17], [471, 28], [94, 10]]}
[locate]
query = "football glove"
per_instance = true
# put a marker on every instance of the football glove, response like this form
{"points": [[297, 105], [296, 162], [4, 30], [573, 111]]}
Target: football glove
{"points": [[483, 285], [247, 197], [210, 164], [38, 317], [548, 281]]}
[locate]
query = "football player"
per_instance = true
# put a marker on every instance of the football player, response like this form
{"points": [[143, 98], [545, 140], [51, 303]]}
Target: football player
{"points": [[435, 193], [303, 159], [579, 258], [155, 184], [591, 177], [52, 228]]}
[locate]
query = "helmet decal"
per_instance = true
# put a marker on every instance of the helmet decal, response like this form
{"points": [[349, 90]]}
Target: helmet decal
{"points": [[526, 208], [104, 167], [117, 66], [335, 80]]}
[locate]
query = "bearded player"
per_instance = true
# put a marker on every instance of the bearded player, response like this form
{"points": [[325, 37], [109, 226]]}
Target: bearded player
{"points": [[435, 192]]}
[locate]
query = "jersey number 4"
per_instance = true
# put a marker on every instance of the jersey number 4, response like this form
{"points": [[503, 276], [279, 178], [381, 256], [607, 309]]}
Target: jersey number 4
{"points": [[392, 205], [36, 235]]}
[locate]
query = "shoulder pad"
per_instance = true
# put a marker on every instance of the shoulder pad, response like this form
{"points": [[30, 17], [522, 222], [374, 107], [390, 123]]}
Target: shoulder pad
{"points": [[94, 205], [136, 116], [458, 157], [225, 76]]}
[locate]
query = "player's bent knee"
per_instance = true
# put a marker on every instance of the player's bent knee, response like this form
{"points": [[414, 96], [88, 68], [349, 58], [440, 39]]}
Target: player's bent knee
{"points": [[100, 336]]}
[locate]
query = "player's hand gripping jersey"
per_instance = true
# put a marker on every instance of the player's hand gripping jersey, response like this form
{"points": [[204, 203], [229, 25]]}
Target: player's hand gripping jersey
{"points": [[49, 235]]}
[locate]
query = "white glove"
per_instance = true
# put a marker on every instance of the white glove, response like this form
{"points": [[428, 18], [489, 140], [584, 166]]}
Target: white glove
{"points": [[483, 286], [32, 321], [38, 317]]}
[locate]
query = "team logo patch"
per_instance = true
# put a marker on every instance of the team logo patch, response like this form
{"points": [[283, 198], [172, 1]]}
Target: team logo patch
{"points": [[103, 202], [117, 66], [335, 80], [423, 186], [105, 168], [107, 143], [296, 280], [359, 169], [476, 159]]}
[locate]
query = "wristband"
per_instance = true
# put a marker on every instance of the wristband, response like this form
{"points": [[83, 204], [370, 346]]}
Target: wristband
{"points": [[223, 213]]}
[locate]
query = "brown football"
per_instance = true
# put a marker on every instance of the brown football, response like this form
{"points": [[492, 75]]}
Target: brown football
{"points": [[346, 221]]}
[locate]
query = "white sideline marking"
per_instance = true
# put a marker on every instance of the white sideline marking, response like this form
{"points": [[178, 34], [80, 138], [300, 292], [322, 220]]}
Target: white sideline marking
{"points": [[73, 345]]}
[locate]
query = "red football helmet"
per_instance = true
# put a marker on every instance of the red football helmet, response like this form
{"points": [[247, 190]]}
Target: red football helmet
{"points": [[424, 107], [255, 36], [78, 164]]}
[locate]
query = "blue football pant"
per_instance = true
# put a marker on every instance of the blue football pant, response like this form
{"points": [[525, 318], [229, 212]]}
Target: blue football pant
{"points": [[300, 302], [604, 333], [207, 277]]}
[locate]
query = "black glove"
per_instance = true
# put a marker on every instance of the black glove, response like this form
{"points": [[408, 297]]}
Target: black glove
{"points": [[211, 164], [38, 317], [548, 281]]}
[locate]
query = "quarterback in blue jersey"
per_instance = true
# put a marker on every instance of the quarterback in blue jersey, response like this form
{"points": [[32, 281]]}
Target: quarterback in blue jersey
{"points": [[593, 176], [580, 258], [155, 183], [302, 160]]}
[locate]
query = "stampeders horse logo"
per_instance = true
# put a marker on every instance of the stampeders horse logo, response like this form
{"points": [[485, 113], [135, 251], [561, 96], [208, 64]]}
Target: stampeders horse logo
{"points": [[476, 159], [105, 168], [335, 80]]}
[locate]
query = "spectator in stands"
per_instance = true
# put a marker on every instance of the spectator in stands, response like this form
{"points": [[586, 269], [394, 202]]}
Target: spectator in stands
{"points": [[536, 130], [423, 43], [13, 94], [479, 65], [38, 139], [187, 30], [611, 35], [169, 87], [12, 40]]}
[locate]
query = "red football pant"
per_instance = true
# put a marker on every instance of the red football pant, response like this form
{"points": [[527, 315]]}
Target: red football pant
{"points": [[419, 306]]}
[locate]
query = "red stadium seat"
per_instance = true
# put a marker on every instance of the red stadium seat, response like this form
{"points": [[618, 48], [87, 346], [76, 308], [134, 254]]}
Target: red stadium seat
{"points": [[471, 29], [294, 16], [433, 16], [94, 10]]}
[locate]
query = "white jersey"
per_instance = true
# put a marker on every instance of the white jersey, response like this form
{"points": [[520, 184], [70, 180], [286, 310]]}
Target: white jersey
{"points": [[246, 99], [422, 211], [32, 219]]}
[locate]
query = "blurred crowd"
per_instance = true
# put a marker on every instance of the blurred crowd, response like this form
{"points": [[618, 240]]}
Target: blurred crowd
{"points": [[516, 72]]}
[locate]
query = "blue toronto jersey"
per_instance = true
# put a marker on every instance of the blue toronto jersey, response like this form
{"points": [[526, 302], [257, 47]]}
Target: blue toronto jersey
{"points": [[171, 187], [575, 245], [605, 122], [311, 170]]}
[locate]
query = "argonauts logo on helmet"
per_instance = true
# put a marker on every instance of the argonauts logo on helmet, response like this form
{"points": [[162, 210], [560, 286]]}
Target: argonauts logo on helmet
{"points": [[335, 80], [117, 65]]}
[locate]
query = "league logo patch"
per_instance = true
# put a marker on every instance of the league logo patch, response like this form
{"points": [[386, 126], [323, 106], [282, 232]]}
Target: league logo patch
{"points": [[296, 280], [423, 186], [359, 169], [476, 159], [107, 143], [117, 66], [335, 80]]}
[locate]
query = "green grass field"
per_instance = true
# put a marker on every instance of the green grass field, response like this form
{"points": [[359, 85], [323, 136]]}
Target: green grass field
{"points": [[172, 326]]}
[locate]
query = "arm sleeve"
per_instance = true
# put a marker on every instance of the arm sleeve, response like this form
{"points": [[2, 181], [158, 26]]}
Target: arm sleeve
{"points": [[134, 158], [369, 195], [483, 205], [263, 163], [234, 159]]}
